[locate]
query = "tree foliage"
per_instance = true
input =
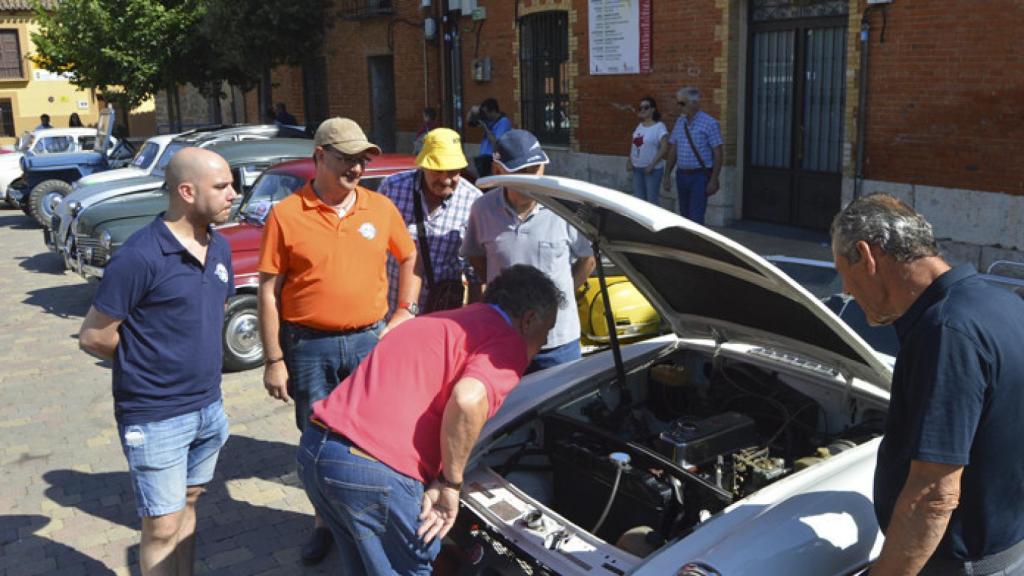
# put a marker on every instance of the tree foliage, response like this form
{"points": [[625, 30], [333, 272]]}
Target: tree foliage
{"points": [[131, 49], [127, 49]]}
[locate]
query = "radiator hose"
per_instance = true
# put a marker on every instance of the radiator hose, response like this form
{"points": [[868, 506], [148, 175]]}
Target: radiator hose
{"points": [[621, 462]]}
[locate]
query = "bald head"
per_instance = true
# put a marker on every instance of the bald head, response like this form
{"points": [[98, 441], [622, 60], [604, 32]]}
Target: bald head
{"points": [[199, 182]]}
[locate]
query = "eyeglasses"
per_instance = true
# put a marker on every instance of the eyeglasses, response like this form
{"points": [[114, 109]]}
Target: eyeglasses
{"points": [[681, 102], [645, 107], [346, 158]]}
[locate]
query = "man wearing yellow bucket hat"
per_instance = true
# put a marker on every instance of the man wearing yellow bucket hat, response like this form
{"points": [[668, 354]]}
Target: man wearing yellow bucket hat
{"points": [[434, 200]]}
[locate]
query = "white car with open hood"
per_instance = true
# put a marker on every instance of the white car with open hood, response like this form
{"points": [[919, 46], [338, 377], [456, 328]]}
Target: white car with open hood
{"points": [[742, 444]]}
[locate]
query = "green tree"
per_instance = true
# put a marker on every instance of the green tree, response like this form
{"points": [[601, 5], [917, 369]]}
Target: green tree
{"points": [[126, 49]]}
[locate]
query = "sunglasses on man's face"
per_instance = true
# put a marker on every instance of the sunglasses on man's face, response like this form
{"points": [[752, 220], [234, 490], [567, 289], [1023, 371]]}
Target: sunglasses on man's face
{"points": [[645, 107], [346, 158], [681, 102]]}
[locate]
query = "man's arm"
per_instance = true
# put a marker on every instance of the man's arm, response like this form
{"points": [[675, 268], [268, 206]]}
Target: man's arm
{"points": [[409, 282], [479, 264], [919, 519], [99, 336], [670, 163], [716, 169], [275, 373], [581, 270], [464, 417]]}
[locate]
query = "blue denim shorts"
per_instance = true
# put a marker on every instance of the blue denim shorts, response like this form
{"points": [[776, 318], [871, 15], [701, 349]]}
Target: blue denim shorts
{"points": [[168, 456]]}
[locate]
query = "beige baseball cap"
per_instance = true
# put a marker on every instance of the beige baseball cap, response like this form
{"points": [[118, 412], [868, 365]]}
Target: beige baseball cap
{"points": [[345, 136]]}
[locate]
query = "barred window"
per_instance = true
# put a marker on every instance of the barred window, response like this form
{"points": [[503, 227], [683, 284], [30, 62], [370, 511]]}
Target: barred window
{"points": [[10, 55], [356, 9], [544, 75]]}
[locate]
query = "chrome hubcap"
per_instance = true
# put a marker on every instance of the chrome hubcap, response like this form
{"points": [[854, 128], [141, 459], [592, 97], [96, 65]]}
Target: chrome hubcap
{"points": [[242, 336]]}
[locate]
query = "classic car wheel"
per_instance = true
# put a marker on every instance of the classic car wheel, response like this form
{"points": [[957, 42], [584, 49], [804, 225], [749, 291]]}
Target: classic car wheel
{"points": [[41, 196], [243, 348]]}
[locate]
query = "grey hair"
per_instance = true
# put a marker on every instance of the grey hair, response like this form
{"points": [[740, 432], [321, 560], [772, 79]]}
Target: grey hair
{"points": [[884, 221], [691, 93], [522, 287]]}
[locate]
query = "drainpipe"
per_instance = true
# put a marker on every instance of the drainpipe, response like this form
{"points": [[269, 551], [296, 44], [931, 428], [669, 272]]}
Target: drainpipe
{"points": [[456, 54], [862, 99]]}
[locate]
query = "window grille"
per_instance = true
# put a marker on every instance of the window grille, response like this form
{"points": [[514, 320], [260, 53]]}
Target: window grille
{"points": [[10, 55], [771, 10], [544, 75], [357, 9]]}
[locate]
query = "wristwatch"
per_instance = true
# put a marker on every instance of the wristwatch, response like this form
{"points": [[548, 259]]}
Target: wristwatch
{"points": [[448, 483], [410, 307]]}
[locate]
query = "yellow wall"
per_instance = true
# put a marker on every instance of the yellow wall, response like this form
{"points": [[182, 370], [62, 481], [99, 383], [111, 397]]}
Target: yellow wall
{"points": [[35, 94]]}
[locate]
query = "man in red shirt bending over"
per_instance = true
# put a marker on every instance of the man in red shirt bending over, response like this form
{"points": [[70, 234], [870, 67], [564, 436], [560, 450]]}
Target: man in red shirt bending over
{"points": [[384, 459]]}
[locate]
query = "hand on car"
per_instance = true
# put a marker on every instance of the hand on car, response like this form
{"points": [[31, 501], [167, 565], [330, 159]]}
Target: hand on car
{"points": [[438, 511], [275, 380], [712, 188]]}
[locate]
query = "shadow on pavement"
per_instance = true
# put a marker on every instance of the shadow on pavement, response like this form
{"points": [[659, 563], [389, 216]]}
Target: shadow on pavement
{"points": [[224, 523], [47, 262], [31, 553], [63, 301], [17, 220]]}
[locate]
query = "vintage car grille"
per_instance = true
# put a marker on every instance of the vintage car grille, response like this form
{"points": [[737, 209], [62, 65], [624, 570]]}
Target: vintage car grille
{"points": [[91, 251], [55, 223]]}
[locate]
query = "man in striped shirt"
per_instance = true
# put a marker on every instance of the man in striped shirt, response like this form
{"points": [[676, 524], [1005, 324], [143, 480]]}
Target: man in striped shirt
{"points": [[696, 145], [445, 199]]}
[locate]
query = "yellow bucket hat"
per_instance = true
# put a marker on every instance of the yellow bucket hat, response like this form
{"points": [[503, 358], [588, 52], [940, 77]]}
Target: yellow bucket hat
{"points": [[442, 150]]}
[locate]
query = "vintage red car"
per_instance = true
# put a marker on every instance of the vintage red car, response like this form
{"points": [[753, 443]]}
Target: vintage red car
{"points": [[242, 346]]}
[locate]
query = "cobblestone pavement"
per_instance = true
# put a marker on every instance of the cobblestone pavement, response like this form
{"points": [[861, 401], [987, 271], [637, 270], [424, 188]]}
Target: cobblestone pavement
{"points": [[66, 506]]}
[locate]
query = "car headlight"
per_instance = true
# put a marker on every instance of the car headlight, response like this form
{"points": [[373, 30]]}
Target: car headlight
{"points": [[697, 569], [54, 202], [105, 241]]}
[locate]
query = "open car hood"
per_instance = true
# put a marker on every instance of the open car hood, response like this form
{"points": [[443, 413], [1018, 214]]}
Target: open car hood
{"points": [[702, 283]]}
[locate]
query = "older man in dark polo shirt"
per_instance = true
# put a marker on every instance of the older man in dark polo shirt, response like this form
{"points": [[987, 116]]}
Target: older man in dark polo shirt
{"points": [[949, 484], [158, 315]]}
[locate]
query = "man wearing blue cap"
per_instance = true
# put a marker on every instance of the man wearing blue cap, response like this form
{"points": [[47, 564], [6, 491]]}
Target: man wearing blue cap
{"points": [[507, 227]]}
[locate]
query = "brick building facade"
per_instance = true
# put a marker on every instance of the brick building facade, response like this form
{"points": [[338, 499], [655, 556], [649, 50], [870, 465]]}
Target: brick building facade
{"points": [[941, 119]]}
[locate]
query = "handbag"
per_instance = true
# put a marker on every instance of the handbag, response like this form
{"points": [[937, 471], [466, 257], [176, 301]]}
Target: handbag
{"points": [[443, 295]]}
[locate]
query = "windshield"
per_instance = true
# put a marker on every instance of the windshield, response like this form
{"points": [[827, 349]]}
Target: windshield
{"points": [[146, 155], [269, 190], [165, 158]]}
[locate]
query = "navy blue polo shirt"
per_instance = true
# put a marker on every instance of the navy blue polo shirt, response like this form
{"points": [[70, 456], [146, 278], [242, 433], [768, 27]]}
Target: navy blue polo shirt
{"points": [[168, 361], [958, 398]]}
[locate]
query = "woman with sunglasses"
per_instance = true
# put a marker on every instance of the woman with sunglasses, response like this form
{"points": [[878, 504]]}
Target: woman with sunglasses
{"points": [[647, 152]]}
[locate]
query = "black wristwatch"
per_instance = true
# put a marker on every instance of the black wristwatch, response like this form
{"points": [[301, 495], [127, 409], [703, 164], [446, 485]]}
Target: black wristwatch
{"points": [[448, 483]]}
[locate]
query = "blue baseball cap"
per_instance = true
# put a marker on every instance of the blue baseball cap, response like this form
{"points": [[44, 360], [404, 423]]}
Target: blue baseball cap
{"points": [[518, 149]]}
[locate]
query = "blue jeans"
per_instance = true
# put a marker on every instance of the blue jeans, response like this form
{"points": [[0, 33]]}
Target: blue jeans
{"points": [[372, 511], [168, 456], [648, 186], [693, 193], [554, 356], [318, 361]]}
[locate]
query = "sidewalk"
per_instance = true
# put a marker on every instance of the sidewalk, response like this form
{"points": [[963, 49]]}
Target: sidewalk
{"points": [[775, 240]]}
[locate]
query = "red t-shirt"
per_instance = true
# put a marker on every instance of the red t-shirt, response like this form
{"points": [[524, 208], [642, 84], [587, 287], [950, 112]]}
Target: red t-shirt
{"points": [[392, 405]]}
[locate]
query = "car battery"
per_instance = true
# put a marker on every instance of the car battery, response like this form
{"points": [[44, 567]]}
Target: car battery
{"points": [[691, 442], [584, 477]]}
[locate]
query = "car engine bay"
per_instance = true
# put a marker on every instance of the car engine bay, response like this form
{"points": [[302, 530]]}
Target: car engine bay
{"points": [[610, 476]]}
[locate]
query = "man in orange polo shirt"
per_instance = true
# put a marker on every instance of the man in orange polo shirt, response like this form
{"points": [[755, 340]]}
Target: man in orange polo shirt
{"points": [[323, 290]]}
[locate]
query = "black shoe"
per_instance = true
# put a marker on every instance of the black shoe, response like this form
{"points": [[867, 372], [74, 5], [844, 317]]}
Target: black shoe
{"points": [[317, 547]]}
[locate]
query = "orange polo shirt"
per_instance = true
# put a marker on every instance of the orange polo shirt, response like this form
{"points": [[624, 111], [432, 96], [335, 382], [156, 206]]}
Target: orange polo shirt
{"points": [[335, 268]]}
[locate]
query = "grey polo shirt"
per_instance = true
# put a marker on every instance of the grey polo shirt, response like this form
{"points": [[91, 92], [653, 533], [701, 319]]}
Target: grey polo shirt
{"points": [[542, 239]]}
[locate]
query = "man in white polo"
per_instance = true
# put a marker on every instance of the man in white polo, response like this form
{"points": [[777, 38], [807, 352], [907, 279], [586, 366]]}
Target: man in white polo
{"points": [[507, 227]]}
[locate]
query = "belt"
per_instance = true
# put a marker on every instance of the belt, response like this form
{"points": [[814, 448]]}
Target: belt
{"points": [[994, 563], [689, 171], [352, 448], [302, 329]]}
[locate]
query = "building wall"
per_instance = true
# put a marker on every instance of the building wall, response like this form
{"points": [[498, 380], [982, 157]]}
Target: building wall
{"points": [[39, 92]]}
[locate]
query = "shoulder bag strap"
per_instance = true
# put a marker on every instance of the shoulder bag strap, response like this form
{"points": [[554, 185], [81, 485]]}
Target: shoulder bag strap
{"points": [[421, 232], [686, 127]]}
